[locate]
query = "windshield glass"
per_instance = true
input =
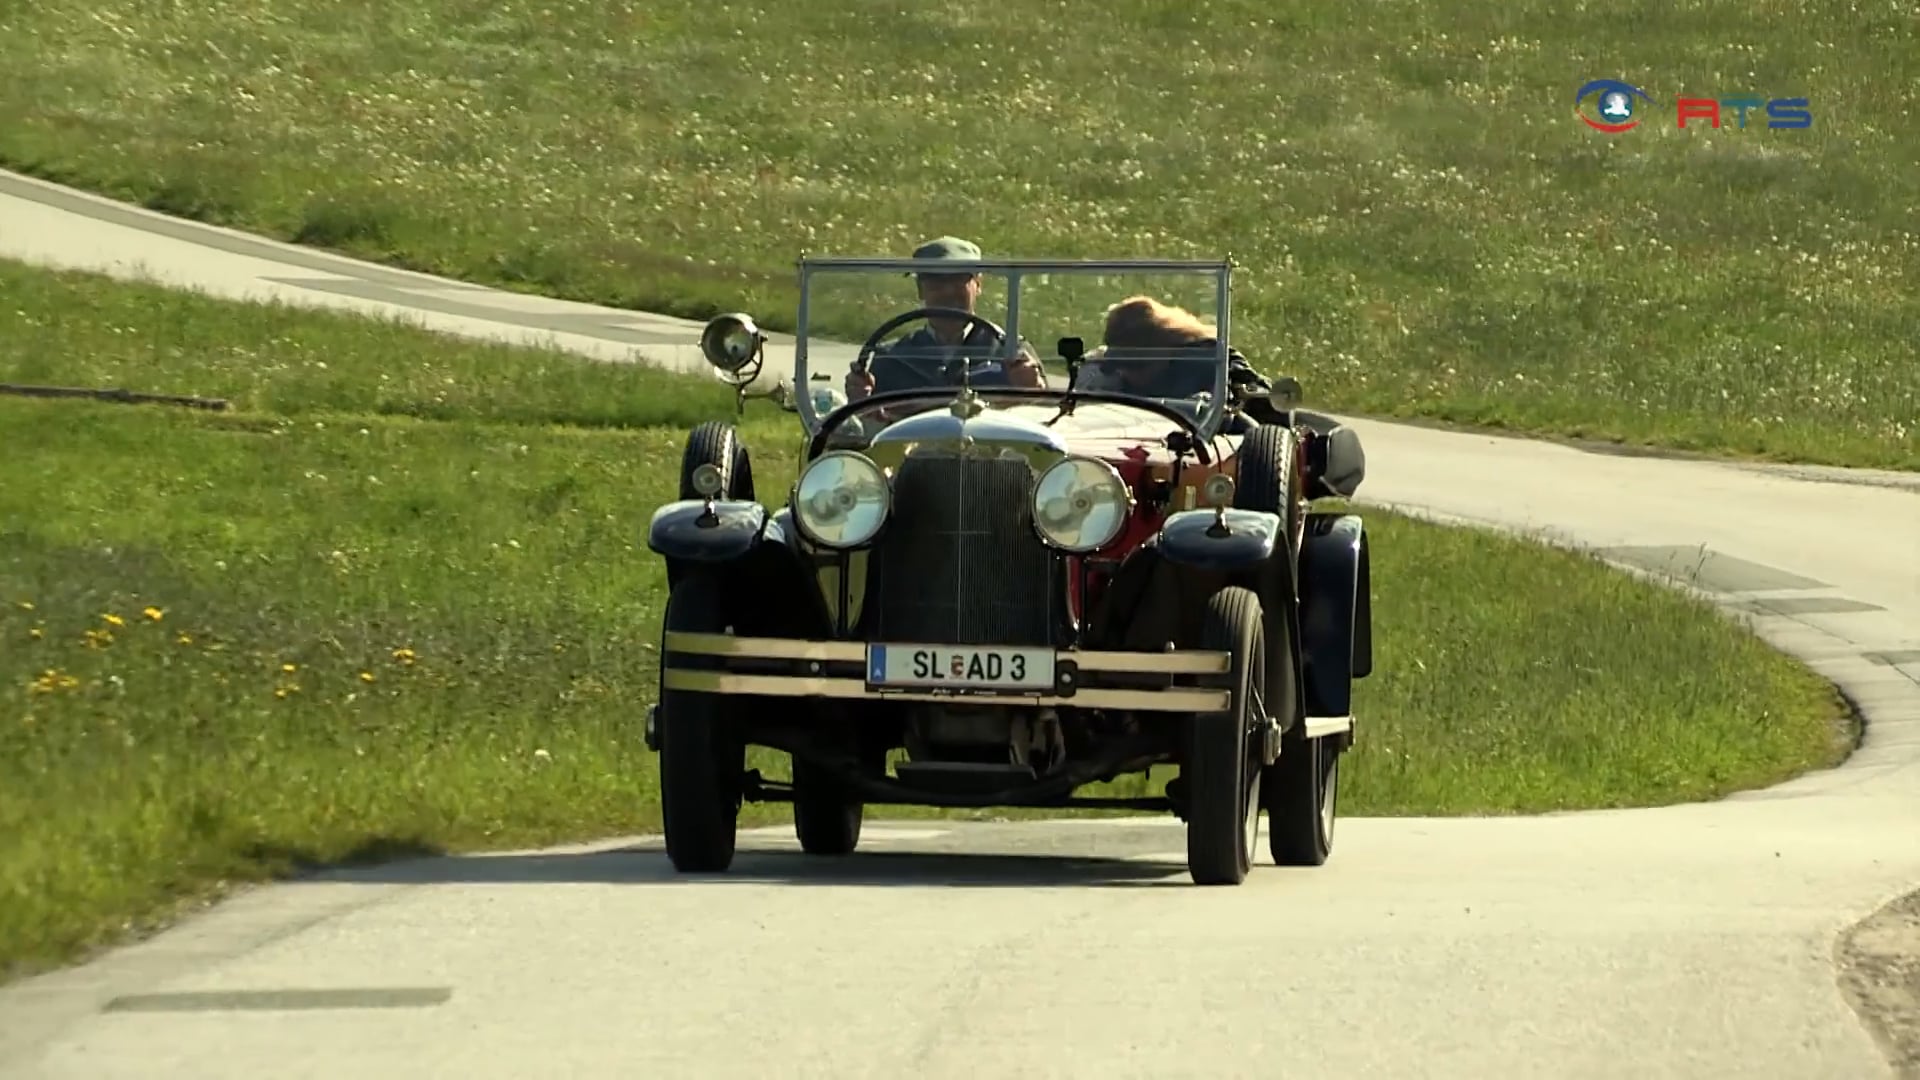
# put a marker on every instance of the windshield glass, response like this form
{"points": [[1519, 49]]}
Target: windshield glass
{"points": [[1150, 329]]}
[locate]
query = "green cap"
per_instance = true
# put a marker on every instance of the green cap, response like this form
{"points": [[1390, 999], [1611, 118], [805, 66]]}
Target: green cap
{"points": [[947, 247]]}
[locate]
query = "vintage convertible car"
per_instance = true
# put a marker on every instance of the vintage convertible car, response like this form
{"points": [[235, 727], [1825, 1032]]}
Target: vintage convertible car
{"points": [[1025, 590]]}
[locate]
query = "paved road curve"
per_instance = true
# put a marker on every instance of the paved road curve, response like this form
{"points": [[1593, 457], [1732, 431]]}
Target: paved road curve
{"points": [[1686, 941]]}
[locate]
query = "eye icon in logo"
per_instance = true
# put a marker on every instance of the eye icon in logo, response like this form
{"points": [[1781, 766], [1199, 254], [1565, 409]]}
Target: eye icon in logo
{"points": [[1616, 104]]}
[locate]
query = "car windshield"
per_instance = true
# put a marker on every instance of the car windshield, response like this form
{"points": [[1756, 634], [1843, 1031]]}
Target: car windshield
{"points": [[1150, 328]]}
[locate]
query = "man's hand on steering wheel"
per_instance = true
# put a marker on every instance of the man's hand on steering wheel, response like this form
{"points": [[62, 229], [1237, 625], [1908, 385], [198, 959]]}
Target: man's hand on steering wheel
{"points": [[859, 384]]}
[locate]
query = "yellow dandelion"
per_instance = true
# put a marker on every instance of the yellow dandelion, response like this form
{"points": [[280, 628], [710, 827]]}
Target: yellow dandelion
{"points": [[154, 614], [114, 620], [366, 676], [99, 639], [53, 679], [36, 633], [289, 667], [404, 656]]}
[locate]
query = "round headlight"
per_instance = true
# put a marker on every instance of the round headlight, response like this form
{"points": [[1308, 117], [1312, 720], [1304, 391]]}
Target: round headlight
{"points": [[842, 500], [1080, 504]]}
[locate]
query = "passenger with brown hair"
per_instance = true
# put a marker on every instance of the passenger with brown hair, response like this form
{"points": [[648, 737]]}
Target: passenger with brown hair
{"points": [[1160, 350]]}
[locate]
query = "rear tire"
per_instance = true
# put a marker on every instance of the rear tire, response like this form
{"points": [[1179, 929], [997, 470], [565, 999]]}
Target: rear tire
{"points": [[702, 757], [826, 820], [1303, 798], [1221, 774]]}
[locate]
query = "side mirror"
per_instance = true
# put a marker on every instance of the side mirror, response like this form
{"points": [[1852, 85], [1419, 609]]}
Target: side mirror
{"points": [[1268, 406]]}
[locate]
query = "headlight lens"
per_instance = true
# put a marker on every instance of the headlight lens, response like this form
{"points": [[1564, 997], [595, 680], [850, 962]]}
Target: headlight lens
{"points": [[1081, 504], [842, 499]]}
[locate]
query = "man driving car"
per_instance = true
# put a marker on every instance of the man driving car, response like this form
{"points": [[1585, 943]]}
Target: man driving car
{"points": [[921, 358]]}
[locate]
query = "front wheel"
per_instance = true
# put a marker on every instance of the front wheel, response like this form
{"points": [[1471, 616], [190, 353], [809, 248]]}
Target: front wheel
{"points": [[702, 757], [1221, 774]]}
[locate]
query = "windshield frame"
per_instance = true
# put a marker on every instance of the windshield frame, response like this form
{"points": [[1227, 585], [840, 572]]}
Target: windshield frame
{"points": [[1208, 420]]}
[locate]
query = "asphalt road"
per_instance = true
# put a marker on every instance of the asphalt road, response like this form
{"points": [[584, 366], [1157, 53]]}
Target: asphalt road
{"points": [[1690, 941]]}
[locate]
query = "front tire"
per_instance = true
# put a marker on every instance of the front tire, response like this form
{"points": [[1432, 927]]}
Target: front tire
{"points": [[702, 757], [1221, 774], [1269, 477], [717, 443]]}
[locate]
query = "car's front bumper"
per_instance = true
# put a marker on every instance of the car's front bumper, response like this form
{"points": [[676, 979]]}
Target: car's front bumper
{"points": [[792, 667]]}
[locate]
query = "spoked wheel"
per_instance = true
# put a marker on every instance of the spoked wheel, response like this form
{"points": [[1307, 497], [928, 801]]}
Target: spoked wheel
{"points": [[1302, 797], [1222, 770], [702, 757], [825, 817]]}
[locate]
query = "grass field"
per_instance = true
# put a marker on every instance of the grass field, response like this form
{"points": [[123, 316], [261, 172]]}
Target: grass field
{"points": [[1426, 229], [400, 598]]}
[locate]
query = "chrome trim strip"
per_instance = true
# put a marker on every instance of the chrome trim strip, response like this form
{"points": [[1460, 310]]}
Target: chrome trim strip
{"points": [[1182, 662], [1316, 726], [1182, 699]]}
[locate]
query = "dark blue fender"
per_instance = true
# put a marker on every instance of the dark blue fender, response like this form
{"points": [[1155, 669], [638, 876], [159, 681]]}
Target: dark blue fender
{"points": [[1252, 551], [687, 531], [1336, 612], [1189, 538]]}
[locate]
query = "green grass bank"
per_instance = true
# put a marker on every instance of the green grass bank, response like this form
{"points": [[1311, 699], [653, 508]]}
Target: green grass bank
{"points": [[399, 598], [1426, 228]]}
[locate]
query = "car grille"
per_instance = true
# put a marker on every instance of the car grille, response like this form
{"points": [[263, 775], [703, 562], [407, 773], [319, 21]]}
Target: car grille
{"points": [[959, 564]]}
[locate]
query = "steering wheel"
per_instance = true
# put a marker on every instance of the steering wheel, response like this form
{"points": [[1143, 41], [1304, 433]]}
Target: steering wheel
{"points": [[864, 359]]}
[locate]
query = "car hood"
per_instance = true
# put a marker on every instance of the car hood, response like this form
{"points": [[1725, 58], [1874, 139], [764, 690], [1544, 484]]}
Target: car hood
{"points": [[1107, 430], [1122, 434]]}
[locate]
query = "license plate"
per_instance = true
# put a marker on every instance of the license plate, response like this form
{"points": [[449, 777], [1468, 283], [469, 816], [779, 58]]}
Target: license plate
{"points": [[959, 667]]}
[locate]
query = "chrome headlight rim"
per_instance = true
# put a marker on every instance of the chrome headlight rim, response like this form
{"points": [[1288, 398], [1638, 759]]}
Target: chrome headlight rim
{"points": [[1109, 477], [799, 504]]}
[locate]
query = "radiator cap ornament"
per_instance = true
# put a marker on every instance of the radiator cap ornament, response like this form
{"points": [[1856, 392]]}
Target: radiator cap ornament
{"points": [[967, 404]]}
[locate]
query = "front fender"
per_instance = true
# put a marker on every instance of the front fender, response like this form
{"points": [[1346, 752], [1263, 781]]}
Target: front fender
{"points": [[1190, 538], [686, 531], [1336, 618]]}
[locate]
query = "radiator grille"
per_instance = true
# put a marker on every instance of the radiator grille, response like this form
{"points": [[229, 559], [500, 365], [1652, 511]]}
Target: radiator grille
{"points": [[959, 564]]}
